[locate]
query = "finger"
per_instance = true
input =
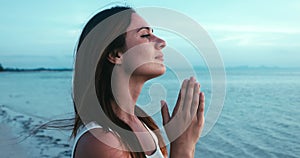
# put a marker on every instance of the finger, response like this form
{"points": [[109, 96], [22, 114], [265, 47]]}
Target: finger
{"points": [[182, 96], [165, 112], [189, 95], [196, 98], [200, 111], [177, 104]]}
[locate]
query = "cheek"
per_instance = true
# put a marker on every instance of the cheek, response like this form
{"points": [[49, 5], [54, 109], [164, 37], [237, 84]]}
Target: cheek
{"points": [[137, 56], [131, 41], [134, 41], [142, 52]]}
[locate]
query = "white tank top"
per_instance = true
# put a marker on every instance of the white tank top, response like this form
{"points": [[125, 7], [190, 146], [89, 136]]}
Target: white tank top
{"points": [[92, 125]]}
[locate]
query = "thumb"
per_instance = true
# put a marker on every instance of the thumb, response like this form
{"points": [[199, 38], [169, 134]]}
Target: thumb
{"points": [[165, 112]]}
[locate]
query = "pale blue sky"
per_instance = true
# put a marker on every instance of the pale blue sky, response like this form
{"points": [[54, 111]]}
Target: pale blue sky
{"points": [[44, 33]]}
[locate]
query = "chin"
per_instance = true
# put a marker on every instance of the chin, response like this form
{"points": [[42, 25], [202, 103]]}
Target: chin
{"points": [[150, 71], [158, 69], [163, 70], [159, 72]]}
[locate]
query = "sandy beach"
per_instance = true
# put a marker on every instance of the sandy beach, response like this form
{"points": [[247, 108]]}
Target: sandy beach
{"points": [[9, 147], [14, 127]]}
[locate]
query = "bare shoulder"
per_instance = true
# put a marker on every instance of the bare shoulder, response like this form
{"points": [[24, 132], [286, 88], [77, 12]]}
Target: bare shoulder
{"points": [[93, 144]]}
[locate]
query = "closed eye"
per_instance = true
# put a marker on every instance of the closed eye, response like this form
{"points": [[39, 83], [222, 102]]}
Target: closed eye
{"points": [[145, 36]]}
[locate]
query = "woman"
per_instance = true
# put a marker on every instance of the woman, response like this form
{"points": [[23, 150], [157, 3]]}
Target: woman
{"points": [[116, 54]]}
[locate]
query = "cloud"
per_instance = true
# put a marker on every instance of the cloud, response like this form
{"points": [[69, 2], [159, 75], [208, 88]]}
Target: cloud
{"points": [[255, 36], [253, 29]]}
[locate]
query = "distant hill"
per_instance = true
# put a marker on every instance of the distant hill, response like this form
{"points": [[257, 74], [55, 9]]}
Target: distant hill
{"points": [[2, 69]]}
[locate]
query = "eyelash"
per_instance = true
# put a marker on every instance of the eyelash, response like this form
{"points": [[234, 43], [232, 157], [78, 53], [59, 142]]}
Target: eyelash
{"points": [[145, 36]]}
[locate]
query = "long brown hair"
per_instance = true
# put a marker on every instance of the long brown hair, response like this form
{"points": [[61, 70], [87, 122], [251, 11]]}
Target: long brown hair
{"points": [[112, 40]]}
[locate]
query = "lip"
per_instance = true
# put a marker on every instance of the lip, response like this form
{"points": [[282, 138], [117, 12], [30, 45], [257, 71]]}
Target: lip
{"points": [[160, 57]]}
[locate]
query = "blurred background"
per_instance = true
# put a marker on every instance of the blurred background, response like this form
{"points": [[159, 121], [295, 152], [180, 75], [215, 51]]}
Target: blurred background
{"points": [[257, 40]]}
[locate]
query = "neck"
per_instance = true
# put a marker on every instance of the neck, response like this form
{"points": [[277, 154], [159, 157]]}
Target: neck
{"points": [[135, 87], [126, 90]]}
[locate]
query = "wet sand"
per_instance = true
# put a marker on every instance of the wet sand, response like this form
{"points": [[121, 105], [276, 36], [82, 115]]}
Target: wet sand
{"points": [[14, 127], [9, 147]]}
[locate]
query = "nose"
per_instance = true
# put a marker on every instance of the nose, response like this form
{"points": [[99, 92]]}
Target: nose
{"points": [[159, 43]]}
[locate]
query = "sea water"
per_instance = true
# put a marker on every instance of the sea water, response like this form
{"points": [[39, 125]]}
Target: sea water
{"points": [[260, 115]]}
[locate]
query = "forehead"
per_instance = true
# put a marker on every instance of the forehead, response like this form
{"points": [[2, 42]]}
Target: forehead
{"points": [[136, 22]]}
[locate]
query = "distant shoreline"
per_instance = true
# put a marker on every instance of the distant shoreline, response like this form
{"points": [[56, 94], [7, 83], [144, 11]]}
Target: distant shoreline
{"points": [[34, 70], [2, 69]]}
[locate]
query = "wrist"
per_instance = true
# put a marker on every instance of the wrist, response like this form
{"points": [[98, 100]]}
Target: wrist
{"points": [[182, 151]]}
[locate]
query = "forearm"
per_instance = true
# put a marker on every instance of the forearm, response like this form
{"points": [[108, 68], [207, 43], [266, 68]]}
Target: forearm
{"points": [[181, 151]]}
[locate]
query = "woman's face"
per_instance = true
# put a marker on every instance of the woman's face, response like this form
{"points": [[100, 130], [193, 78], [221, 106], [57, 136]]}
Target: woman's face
{"points": [[143, 54]]}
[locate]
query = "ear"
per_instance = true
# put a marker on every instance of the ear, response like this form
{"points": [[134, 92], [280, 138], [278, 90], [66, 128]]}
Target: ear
{"points": [[115, 57]]}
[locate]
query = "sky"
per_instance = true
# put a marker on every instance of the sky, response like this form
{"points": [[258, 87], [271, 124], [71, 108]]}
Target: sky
{"points": [[246, 33]]}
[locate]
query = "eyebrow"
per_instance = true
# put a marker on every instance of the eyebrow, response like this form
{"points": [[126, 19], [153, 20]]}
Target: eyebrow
{"points": [[145, 27]]}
